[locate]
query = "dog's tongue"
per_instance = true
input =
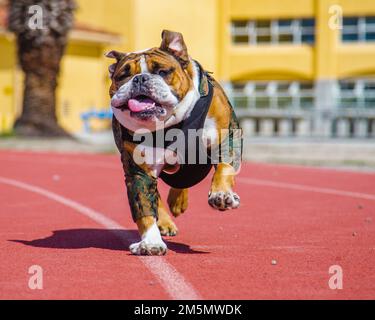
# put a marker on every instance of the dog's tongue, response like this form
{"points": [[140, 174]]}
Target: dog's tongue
{"points": [[139, 105]]}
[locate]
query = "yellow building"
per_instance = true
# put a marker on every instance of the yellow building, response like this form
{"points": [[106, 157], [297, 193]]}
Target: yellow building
{"points": [[291, 67]]}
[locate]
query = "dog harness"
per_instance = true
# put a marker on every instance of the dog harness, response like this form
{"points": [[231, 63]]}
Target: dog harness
{"points": [[189, 174]]}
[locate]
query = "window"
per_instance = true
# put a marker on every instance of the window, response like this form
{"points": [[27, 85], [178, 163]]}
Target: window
{"points": [[308, 31], [273, 31], [263, 32], [358, 93], [242, 32], [240, 99], [272, 95], [357, 29]]}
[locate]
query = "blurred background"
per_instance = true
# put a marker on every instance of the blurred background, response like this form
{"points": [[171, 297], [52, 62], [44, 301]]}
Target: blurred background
{"points": [[300, 73]]}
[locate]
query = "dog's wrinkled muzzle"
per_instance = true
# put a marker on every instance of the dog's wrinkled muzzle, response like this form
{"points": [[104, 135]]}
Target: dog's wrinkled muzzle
{"points": [[119, 99]]}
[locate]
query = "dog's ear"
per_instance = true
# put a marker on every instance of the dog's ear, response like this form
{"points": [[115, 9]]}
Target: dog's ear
{"points": [[114, 55], [173, 43], [111, 69]]}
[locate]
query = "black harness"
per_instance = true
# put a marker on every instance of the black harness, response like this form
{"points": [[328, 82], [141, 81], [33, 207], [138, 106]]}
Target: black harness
{"points": [[191, 174]]}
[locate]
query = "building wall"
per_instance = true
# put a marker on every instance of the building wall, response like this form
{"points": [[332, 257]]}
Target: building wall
{"points": [[241, 62], [240, 9], [328, 58], [195, 19], [325, 63], [205, 25], [111, 15], [83, 84], [7, 83]]}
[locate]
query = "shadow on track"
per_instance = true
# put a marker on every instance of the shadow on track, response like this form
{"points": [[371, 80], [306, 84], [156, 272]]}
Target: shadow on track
{"points": [[98, 238]]}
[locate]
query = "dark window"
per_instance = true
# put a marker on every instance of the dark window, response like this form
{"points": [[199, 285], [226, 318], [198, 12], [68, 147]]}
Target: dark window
{"points": [[350, 21], [285, 23], [356, 29], [370, 36], [350, 37], [310, 39], [308, 23], [273, 31]]}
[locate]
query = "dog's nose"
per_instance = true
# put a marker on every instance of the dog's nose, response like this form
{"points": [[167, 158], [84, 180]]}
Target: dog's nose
{"points": [[141, 78]]}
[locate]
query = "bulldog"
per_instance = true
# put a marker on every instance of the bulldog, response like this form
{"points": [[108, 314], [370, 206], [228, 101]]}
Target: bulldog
{"points": [[157, 92]]}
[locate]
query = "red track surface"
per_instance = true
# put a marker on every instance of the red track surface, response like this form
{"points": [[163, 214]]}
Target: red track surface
{"points": [[304, 218]]}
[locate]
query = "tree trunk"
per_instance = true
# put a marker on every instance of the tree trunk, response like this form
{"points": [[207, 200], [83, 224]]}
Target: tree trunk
{"points": [[40, 51], [41, 68]]}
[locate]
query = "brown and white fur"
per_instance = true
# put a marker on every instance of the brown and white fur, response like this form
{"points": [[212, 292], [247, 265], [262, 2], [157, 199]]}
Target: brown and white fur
{"points": [[172, 80]]}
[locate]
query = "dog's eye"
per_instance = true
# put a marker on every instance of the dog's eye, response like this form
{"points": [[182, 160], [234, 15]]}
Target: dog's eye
{"points": [[121, 77], [124, 74], [164, 73]]}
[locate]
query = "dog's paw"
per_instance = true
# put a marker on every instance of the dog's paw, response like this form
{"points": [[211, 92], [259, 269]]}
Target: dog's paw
{"points": [[178, 201], [167, 227], [224, 200], [144, 248]]}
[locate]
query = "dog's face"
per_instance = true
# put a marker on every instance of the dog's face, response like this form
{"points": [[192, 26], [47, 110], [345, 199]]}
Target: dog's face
{"points": [[153, 85]]}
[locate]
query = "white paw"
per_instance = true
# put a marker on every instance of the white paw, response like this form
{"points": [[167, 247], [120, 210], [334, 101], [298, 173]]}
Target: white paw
{"points": [[151, 245], [144, 248], [224, 200]]}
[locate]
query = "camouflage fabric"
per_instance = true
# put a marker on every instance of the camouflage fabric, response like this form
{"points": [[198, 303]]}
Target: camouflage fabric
{"points": [[233, 142], [141, 187]]}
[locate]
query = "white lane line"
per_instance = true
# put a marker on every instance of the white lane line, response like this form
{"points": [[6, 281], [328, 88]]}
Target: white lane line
{"points": [[300, 187], [172, 281]]}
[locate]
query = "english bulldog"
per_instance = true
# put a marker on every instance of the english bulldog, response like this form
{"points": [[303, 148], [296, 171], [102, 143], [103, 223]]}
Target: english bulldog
{"points": [[163, 92]]}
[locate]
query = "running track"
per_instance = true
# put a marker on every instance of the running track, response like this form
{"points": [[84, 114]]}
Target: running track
{"points": [[69, 215]]}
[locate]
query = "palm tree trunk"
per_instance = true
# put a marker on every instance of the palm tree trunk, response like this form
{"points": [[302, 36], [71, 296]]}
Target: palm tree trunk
{"points": [[41, 67], [39, 53]]}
